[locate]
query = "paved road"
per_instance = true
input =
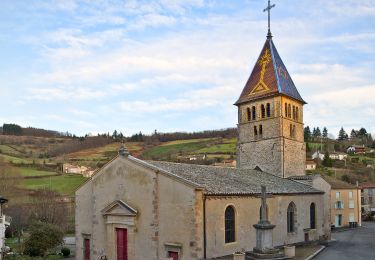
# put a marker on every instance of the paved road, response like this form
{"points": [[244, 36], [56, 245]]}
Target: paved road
{"points": [[358, 244]]}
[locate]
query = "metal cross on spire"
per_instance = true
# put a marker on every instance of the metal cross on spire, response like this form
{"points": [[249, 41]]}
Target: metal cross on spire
{"points": [[268, 9]]}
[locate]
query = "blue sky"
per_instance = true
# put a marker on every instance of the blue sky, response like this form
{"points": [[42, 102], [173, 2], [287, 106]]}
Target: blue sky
{"points": [[95, 66]]}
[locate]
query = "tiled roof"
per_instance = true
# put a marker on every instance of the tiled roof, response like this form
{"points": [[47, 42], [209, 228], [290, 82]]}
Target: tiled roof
{"points": [[269, 77], [367, 185], [338, 184], [232, 181]]}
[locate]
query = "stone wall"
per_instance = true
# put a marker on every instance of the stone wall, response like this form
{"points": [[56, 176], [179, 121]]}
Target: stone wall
{"points": [[265, 154], [294, 157], [247, 213], [278, 150]]}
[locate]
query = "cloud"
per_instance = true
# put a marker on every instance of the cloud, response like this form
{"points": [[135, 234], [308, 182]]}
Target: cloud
{"points": [[60, 93], [163, 104]]}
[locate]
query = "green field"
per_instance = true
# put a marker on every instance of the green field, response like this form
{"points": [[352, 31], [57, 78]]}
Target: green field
{"points": [[63, 184], [315, 146], [16, 160], [227, 147], [175, 148], [30, 172]]}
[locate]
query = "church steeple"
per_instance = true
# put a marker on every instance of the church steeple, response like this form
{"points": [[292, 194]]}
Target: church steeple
{"points": [[269, 78], [270, 117]]}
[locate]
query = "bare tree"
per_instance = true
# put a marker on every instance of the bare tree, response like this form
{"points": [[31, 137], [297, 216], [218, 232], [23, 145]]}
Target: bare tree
{"points": [[49, 207]]}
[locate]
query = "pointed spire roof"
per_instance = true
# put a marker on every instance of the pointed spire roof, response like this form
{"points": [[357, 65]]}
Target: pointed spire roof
{"points": [[269, 77]]}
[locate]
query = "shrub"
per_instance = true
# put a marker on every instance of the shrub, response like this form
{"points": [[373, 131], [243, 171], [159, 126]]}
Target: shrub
{"points": [[65, 251]]}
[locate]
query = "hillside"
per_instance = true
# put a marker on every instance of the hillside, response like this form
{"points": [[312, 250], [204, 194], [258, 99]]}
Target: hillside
{"points": [[40, 160]]}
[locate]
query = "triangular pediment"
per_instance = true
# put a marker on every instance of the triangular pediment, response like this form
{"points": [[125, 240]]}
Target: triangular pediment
{"points": [[119, 208]]}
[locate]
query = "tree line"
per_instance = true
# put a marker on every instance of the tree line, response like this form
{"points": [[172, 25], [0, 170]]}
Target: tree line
{"points": [[167, 137]]}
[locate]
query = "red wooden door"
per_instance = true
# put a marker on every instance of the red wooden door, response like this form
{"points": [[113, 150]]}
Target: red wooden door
{"points": [[122, 243], [87, 249], [173, 255]]}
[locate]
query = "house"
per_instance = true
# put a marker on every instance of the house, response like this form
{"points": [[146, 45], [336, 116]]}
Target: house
{"points": [[338, 156], [76, 169], [226, 163], [345, 203], [317, 154], [310, 165], [368, 198], [4, 223], [136, 209], [356, 149]]}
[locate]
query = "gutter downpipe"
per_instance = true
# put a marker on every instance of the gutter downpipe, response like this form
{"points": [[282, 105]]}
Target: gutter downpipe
{"points": [[204, 227]]}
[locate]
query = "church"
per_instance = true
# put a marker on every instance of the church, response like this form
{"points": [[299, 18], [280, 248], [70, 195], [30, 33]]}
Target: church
{"points": [[143, 210]]}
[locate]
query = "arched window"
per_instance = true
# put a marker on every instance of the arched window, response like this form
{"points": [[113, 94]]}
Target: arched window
{"points": [[263, 110], [268, 110], [294, 112], [260, 129], [291, 217], [297, 113], [289, 111], [230, 234], [286, 110], [294, 131], [254, 113], [248, 114], [312, 216], [255, 131]]}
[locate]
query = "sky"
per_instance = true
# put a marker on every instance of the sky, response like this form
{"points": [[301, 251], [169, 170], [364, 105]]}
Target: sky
{"points": [[179, 65]]}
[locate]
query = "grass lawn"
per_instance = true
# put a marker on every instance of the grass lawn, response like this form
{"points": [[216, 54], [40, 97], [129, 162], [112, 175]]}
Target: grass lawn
{"points": [[28, 172], [64, 184]]}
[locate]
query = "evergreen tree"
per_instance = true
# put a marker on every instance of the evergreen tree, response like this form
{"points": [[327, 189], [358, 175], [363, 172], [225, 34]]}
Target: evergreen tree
{"points": [[362, 132], [114, 135], [314, 132], [325, 132], [318, 133], [307, 133], [353, 134], [342, 135], [327, 162]]}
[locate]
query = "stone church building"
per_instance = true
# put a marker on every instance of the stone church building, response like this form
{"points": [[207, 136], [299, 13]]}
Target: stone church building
{"points": [[143, 210]]}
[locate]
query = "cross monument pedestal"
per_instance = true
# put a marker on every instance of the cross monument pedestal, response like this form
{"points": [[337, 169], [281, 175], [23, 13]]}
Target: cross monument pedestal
{"points": [[264, 243]]}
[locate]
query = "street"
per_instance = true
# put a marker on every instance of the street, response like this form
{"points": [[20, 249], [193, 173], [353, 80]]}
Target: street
{"points": [[358, 243]]}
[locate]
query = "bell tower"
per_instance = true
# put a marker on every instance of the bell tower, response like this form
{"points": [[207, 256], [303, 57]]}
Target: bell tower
{"points": [[270, 118]]}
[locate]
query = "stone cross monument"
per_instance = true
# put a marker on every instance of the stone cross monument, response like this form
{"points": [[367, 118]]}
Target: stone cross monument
{"points": [[264, 244]]}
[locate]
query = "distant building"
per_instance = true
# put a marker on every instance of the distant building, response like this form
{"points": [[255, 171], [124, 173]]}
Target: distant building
{"points": [[368, 197], [310, 165], [317, 154], [4, 223], [226, 163], [76, 169], [338, 156], [345, 203], [356, 149]]}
